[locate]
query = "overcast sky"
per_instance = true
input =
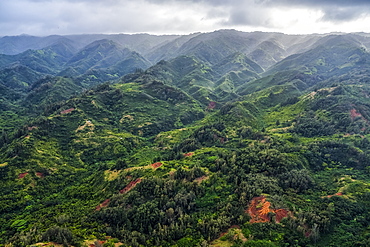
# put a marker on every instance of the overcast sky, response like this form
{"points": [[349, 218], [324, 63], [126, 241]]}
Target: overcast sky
{"points": [[46, 17]]}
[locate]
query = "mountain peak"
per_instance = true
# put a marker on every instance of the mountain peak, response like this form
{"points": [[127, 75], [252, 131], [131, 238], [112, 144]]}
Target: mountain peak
{"points": [[105, 44]]}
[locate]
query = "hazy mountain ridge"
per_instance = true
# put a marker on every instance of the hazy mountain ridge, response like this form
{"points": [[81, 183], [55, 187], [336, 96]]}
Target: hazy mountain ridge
{"points": [[157, 47], [25, 42]]}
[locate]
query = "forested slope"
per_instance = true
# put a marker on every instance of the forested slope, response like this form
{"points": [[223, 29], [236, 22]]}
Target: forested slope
{"points": [[192, 151]]}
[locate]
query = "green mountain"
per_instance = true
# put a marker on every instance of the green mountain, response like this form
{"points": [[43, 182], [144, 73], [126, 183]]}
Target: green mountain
{"points": [[106, 53], [230, 139], [18, 77], [268, 53], [63, 58], [236, 62], [204, 83], [337, 55], [31, 73], [235, 70], [184, 72], [48, 60], [12, 45], [208, 47], [48, 91], [10, 110]]}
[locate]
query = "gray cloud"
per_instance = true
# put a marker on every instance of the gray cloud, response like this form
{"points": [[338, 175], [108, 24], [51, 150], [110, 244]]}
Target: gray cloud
{"points": [[44, 17], [334, 10], [336, 14], [339, 3], [256, 12]]}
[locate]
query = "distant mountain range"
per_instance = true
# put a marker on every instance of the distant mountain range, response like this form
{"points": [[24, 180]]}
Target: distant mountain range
{"points": [[98, 58], [261, 47]]}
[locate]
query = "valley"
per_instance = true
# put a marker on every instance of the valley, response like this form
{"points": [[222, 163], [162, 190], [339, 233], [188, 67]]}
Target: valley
{"points": [[225, 138]]}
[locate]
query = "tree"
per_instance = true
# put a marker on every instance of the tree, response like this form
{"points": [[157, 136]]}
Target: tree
{"points": [[4, 139], [59, 235]]}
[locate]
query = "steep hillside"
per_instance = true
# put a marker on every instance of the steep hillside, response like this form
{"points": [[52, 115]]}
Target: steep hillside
{"points": [[168, 49], [18, 77], [48, 91], [184, 72], [31, 73], [205, 83], [103, 54], [300, 80], [231, 139], [235, 62], [234, 71], [11, 116], [268, 53], [335, 55], [109, 58]]}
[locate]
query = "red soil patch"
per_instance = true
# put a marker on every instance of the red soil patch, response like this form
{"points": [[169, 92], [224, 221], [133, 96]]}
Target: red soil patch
{"points": [[211, 105], [32, 127], [67, 111], [355, 114], [259, 210], [156, 165], [51, 244], [172, 174], [200, 179], [254, 210], [22, 175], [130, 186], [280, 214], [100, 242], [188, 154], [102, 205], [40, 174], [336, 194], [220, 138]]}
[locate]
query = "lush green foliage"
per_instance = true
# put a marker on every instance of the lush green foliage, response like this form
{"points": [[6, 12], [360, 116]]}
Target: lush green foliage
{"points": [[176, 154]]}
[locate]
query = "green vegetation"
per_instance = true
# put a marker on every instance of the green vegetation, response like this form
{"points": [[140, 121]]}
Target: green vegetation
{"points": [[205, 149]]}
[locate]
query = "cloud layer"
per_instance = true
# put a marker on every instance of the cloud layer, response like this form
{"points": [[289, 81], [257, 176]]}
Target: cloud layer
{"points": [[45, 17]]}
